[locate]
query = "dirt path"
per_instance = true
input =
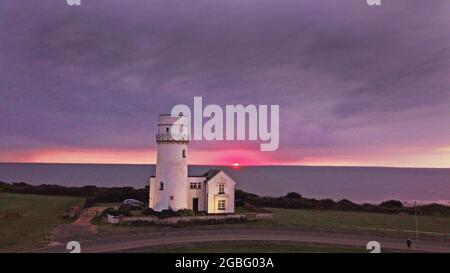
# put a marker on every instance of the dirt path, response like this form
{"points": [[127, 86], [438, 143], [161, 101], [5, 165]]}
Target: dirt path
{"points": [[79, 229]]}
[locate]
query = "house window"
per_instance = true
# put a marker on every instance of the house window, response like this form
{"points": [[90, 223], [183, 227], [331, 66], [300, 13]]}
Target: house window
{"points": [[194, 186], [221, 205], [184, 153], [221, 188], [161, 186]]}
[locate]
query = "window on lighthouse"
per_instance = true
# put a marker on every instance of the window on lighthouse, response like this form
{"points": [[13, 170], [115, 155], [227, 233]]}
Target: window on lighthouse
{"points": [[161, 186], [184, 153]]}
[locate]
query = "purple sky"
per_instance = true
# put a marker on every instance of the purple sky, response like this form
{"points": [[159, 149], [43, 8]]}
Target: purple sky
{"points": [[356, 85]]}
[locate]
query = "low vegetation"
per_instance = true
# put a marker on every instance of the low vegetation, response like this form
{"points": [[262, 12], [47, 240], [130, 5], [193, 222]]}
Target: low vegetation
{"points": [[356, 221], [92, 194], [189, 223], [126, 210], [296, 201], [27, 220]]}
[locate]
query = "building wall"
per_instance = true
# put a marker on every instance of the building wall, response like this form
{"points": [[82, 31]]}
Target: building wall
{"points": [[196, 192], [214, 195], [151, 193], [171, 168]]}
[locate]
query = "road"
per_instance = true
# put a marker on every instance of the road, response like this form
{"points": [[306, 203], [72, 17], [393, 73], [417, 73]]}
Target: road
{"points": [[126, 242]]}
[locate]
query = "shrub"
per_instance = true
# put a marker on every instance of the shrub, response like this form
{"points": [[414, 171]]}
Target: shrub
{"points": [[149, 211], [391, 204], [239, 203], [293, 195], [168, 213], [124, 210], [242, 195], [185, 213], [110, 211], [345, 204], [98, 194], [433, 209]]}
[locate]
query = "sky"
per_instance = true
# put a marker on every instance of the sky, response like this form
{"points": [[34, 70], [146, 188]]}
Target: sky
{"points": [[357, 85]]}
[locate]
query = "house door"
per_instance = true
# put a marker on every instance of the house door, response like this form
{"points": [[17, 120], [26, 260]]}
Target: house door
{"points": [[195, 204]]}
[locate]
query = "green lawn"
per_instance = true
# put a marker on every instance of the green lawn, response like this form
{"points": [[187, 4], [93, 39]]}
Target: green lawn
{"points": [[316, 219], [39, 215], [295, 218], [255, 248]]}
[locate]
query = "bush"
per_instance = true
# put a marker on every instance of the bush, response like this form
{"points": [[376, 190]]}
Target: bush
{"points": [[168, 213], [296, 201], [391, 204], [293, 195], [242, 195], [433, 209], [149, 211], [345, 204], [124, 210], [98, 194], [110, 211], [185, 213]]}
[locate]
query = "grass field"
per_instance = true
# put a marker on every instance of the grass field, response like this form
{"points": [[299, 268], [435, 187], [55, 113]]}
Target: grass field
{"points": [[38, 216], [295, 218], [315, 219], [255, 248]]}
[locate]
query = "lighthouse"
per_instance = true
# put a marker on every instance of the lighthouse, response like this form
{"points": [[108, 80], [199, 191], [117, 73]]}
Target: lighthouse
{"points": [[171, 188], [171, 177]]}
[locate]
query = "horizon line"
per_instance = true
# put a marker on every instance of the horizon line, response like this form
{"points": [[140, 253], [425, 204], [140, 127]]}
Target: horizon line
{"points": [[240, 166]]}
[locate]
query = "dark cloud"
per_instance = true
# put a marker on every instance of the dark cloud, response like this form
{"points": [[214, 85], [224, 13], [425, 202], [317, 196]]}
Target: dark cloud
{"points": [[343, 73]]}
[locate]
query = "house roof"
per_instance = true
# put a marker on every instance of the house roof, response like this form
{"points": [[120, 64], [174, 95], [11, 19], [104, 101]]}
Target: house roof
{"points": [[209, 174]]}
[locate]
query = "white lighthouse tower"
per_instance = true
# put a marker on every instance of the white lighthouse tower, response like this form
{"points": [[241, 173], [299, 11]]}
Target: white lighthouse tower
{"points": [[170, 185], [172, 188]]}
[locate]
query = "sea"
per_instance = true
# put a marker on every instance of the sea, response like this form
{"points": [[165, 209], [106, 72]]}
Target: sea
{"points": [[358, 184]]}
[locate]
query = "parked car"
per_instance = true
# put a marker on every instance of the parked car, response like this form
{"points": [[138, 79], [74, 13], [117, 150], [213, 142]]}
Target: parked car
{"points": [[134, 203]]}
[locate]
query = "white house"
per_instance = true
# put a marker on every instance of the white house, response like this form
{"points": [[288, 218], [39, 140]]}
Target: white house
{"points": [[171, 187]]}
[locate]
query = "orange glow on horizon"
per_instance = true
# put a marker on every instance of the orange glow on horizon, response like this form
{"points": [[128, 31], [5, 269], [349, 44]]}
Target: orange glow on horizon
{"points": [[95, 156], [238, 157]]}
